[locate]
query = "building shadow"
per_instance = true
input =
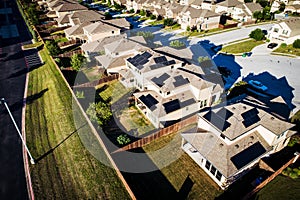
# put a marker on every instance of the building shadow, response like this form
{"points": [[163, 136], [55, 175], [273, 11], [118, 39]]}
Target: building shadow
{"points": [[30, 99], [25, 70], [60, 143], [185, 188]]}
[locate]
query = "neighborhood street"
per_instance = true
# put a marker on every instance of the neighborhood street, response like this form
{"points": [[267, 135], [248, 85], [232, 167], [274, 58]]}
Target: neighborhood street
{"points": [[13, 69]]}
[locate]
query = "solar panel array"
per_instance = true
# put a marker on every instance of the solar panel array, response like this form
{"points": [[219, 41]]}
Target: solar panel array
{"points": [[217, 121], [179, 81], [160, 80], [250, 117], [246, 156], [140, 59], [149, 101], [160, 59], [171, 106], [162, 64]]}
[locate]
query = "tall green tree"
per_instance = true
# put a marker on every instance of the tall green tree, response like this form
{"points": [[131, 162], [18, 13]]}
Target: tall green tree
{"points": [[77, 60], [52, 47], [99, 112], [296, 44]]}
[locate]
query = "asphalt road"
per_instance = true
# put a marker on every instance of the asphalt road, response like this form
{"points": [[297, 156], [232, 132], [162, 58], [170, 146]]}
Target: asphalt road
{"points": [[12, 80]]}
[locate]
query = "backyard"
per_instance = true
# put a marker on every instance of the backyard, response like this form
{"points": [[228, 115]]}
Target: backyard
{"points": [[64, 166]]}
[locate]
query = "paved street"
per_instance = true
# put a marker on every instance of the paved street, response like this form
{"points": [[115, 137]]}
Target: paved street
{"points": [[12, 80]]}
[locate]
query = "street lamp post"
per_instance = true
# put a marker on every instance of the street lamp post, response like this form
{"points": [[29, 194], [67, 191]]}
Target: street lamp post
{"points": [[2, 101]]}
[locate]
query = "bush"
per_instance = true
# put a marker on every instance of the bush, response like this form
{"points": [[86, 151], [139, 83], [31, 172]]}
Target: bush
{"points": [[188, 28], [177, 44], [152, 17], [52, 47], [257, 34], [142, 12], [123, 139], [283, 45], [296, 44], [168, 22]]}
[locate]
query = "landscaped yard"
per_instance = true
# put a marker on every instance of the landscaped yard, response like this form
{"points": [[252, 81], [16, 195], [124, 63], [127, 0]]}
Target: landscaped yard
{"points": [[241, 47], [182, 168], [135, 121], [65, 168], [289, 49]]}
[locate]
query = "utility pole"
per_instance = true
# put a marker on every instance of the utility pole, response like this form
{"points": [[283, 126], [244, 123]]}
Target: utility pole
{"points": [[2, 101]]}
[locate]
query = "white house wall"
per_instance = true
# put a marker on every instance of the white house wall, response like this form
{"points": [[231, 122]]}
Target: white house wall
{"points": [[180, 113]]}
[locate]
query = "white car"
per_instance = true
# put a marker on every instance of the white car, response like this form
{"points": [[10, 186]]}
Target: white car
{"points": [[258, 85]]}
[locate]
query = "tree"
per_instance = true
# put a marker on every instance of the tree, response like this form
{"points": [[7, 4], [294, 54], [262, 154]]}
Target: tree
{"points": [[52, 47], [107, 15], [168, 22], [281, 7], [257, 34], [188, 28], [77, 60], [123, 139], [296, 44], [142, 12], [99, 112], [257, 15], [152, 17]]}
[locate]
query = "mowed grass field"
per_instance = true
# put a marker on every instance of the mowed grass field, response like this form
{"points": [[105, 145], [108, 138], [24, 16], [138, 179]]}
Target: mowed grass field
{"points": [[181, 169], [65, 168]]}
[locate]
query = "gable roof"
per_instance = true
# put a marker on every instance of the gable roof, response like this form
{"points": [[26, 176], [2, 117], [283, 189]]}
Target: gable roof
{"points": [[98, 45], [294, 25], [197, 13], [65, 7], [253, 7], [229, 3], [118, 23], [99, 27], [77, 29], [124, 45], [63, 19], [86, 16]]}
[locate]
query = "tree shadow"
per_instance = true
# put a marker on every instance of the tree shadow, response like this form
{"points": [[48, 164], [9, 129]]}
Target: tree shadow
{"points": [[60, 143], [186, 188], [30, 99]]}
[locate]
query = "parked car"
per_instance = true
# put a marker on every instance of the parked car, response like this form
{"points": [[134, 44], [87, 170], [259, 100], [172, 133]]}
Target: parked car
{"points": [[272, 45], [257, 85]]}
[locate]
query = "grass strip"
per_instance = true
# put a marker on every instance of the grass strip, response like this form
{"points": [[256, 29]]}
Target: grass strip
{"points": [[65, 167]]}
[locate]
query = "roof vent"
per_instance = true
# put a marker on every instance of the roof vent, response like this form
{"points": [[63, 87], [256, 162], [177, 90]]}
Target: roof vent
{"points": [[233, 108], [236, 146], [211, 136], [221, 144], [245, 107], [272, 118], [252, 137]]}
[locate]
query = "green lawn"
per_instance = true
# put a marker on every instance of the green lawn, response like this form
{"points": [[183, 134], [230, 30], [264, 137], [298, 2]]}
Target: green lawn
{"points": [[114, 91], [65, 167], [289, 49], [282, 187], [241, 47], [177, 172]]}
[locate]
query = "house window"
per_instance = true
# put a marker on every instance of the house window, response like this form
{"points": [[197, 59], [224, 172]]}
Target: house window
{"points": [[207, 164], [113, 32], [285, 32], [218, 175], [117, 53], [276, 30], [201, 104], [213, 170], [205, 102], [186, 108]]}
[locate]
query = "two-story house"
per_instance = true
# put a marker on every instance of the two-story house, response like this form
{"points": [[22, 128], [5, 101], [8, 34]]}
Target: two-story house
{"points": [[230, 139], [286, 31]]}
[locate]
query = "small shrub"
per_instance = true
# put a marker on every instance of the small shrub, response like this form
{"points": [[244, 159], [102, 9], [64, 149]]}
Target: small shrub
{"points": [[296, 44], [188, 28], [283, 45], [152, 17], [123, 139], [177, 44], [80, 94]]}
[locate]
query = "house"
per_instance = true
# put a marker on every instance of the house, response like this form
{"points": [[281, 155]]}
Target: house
{"points": [[230, 139], [120, 23], [244, 12], [175, 94], [113, 60], [59, 8], [198, 4], [227, 7], [79, 17], [174, 10], [286, 31], [98, 30], [77, 32], [186, 2], [200, 19], [96, 47], [294, 8]]}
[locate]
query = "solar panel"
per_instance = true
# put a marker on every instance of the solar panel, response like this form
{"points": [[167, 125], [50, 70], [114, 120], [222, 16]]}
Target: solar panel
{"points": [[250, 117], [171, 106], [149, 101], [247, 155], [224, 113], [188, 102], [160, 59], [217, 121], [160, 80], [146, 55], [179, 81]]}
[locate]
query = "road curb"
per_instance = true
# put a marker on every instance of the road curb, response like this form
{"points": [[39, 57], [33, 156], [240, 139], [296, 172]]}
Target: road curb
{"points": [[25, 157]]}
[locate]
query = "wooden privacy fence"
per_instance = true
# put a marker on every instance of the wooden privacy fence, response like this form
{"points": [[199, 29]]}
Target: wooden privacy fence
{"points": [[68, 43], [165, 131], [228, 26], [69, 54], [270, 178], [98, 82], [52, 30]]}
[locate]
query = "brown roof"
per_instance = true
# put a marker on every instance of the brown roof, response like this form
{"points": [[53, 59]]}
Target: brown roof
{"points": [[65, 7], [86, 16]]}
